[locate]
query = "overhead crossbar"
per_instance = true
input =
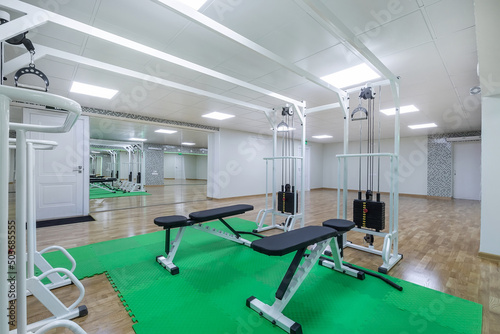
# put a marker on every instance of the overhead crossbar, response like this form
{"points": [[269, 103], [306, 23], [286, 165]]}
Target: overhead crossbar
{"points": [[32, 20], [331, 23], [207, 22]]}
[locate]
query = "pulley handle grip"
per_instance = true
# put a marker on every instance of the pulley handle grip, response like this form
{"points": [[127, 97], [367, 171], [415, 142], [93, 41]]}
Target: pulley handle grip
{"points": [[31, 69]]}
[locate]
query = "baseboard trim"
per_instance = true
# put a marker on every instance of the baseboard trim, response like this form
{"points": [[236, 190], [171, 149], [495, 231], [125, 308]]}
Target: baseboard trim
{"points": [[489, 256]]}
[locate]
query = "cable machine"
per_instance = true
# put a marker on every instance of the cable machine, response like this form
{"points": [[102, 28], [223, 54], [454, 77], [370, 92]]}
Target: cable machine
{"points": [[369, 213], [287, 167], [135, 158]]}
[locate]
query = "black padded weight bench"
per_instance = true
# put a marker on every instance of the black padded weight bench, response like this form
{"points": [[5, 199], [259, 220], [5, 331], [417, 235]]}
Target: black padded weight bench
{"points": [[102, 183], [195, 221], [282, 244]]}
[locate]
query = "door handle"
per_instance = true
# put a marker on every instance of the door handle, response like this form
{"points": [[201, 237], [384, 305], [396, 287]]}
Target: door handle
{"points": [[79, 169]]}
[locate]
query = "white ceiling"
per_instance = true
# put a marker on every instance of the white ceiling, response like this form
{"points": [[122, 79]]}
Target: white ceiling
{"points": [[430, 44]]}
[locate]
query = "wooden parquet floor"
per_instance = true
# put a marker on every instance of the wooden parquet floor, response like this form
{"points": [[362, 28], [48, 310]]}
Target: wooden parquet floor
{"points": [[439, 239]]}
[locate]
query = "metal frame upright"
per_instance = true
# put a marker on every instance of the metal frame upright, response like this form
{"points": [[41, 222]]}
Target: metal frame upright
{"points": [[324, 16], [271, 208]]}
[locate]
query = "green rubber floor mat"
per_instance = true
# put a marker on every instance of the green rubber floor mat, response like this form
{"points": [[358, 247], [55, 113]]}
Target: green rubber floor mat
{"points": [[217, 276], [101, 193]]}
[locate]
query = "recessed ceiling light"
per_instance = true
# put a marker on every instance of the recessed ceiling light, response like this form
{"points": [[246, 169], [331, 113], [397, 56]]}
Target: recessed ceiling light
{"points": [[195, 4], [81, 88], [422, 126], [322, 136], [166, 131], [137, 139], [351, 76], [188, 144], [284, 129], [217, 115], [402, 110]]}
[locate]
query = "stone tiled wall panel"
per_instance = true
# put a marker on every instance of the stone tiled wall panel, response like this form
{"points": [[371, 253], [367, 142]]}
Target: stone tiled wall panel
{"points": [[440, 163]]}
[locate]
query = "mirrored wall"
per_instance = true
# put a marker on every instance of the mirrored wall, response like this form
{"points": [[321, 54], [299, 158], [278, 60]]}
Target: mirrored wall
{"points": [[172, 163]]}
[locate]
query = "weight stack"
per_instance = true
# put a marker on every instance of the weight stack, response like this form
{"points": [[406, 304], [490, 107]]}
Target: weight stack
{"points": [[285, 202], [369, 214]]}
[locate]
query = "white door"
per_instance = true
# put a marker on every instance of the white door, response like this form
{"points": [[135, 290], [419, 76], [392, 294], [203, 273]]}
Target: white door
{"points": [[180, 172], [467, 170], [62, 174]]}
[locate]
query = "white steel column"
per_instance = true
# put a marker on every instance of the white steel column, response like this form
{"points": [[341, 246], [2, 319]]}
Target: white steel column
{"points": [[4, 209], [21, 194]]}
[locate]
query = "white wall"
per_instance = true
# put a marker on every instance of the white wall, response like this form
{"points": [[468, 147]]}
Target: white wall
{"points": [[195, 166], [190, 166], [488, 49], [201, 167], [235, 163], [316, 165], [490, 182], [412, 166]]}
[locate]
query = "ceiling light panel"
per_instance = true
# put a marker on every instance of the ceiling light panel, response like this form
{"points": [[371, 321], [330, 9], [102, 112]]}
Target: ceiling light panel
{"points": [[322, 137], [86, 89], [166, 131], [137, 139], [188, 144], [402, 110], [218, 116], [422, 126], [351, 76], [195, 4]]}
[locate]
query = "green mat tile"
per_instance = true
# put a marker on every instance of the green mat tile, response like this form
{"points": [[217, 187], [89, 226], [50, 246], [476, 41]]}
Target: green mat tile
{"points": [[434, 306], [95, 193], [217, 276]]}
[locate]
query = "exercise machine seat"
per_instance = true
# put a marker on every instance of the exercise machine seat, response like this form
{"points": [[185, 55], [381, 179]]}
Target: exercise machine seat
{"points": [[341, 225], [218, 213], [171, 221], [281, 244]]}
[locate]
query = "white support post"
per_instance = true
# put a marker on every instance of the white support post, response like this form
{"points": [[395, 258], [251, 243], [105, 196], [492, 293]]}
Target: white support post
{"points": [[31, 218], [4, 210], [21, 306], [302, 116], [345, 107]]}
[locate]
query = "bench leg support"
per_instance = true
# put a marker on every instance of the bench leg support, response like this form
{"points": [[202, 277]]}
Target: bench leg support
{"points": [[291, 282], [170, 250], [337, 264]]}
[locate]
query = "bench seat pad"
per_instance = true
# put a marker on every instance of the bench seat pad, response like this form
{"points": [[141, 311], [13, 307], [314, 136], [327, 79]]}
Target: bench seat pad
{"points": [[171, 221], [341, 225], [212, 214], [284, 243]]}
